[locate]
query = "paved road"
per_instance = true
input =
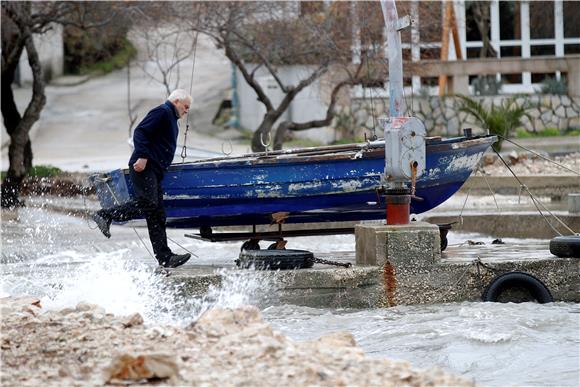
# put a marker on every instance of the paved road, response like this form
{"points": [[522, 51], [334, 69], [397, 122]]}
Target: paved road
{"points": [[85, 127]]}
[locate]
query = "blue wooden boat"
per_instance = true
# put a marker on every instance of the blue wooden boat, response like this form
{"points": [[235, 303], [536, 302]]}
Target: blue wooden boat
{"points": [[322, 184]]}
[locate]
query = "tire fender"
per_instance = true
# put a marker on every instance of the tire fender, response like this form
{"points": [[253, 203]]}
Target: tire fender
{"points": [[566, 246], [519, 279]]}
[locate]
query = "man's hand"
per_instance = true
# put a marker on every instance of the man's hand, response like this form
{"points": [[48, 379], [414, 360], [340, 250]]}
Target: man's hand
{"points": [[139, 165]]}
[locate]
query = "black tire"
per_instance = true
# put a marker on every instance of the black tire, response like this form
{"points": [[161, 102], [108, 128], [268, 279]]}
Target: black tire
{"points": [[250, 245], [275, 259], [566, 246], [517, 287]]}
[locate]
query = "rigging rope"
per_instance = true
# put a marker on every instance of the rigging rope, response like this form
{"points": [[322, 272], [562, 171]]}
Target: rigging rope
{"points": [[184, 149], [373, 114], [536, 201], [539, 155]]}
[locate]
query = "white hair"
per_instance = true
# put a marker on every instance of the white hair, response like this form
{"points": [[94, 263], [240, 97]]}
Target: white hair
{"points": [[179, 95]]}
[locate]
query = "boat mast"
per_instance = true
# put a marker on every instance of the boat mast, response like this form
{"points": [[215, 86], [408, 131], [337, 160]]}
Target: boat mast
{"points": [[405, 150], [397, 106]]}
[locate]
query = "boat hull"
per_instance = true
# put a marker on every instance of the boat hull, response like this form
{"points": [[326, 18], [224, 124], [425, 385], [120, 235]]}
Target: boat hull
{"points": [[312, 185]]}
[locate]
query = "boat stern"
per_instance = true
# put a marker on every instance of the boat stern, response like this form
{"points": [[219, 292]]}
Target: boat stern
{"points": [[111, 188]]}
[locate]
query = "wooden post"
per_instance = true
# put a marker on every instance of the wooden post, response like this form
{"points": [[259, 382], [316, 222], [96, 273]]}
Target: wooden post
{"points": [[449, 23], [445, 46]]}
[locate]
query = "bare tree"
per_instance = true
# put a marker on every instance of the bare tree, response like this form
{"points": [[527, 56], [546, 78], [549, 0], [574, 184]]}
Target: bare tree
{"points": [[269, 35], [482, 18], [166, 47], [20, 21]]}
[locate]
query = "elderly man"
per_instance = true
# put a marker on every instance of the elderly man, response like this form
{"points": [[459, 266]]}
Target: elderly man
{"points": [[155, 140]]}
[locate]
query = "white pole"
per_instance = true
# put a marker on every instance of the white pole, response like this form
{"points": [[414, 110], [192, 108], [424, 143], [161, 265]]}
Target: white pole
{"points": [[397, 107]]}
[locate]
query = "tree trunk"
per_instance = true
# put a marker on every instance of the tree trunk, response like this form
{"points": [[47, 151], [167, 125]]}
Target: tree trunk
{"points": [[262, 134], [20, 150]]}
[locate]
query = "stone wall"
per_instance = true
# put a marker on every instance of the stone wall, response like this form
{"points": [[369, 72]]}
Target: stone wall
{"points": [[442, 117]]}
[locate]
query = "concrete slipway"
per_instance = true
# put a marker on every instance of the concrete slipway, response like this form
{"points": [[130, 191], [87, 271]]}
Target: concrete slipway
{"points": [[417, 272]]}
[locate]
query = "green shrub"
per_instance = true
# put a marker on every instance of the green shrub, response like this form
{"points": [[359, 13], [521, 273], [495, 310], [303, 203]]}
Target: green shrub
{"points": [[44, 171], [523, 133], [499, 120], [551, 85], [347, 140], [88, 48], [117, 61], [39, 171]]}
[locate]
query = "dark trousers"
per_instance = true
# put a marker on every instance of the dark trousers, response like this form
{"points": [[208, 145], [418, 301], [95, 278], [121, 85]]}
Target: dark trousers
{"points": [[148, 203]]}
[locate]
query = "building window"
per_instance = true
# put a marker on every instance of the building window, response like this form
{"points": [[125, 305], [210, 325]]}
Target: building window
{"points": [[548, 49], [509, 51], [472, 12], [542, 20], [511, 78], [571, 19], [570, 49], [473, 52], [509, 20]]}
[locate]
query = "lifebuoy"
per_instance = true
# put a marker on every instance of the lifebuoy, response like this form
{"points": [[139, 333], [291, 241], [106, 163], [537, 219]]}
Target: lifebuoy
{"points": [[566, 246], [517, 280]]}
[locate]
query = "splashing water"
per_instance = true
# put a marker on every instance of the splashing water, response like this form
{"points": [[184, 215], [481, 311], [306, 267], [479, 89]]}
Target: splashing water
{"points": [[63, 262], [123, 287]]}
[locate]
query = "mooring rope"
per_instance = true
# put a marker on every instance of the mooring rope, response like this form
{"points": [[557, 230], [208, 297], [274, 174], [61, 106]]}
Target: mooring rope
{"points": [[540, 156], [463, 207], [536, 201], [454, 285], [491, 190], [477, 263], [332, 263]]}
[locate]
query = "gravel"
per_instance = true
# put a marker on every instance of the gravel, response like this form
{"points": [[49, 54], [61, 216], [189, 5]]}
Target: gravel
{"points": [[529, 164]]}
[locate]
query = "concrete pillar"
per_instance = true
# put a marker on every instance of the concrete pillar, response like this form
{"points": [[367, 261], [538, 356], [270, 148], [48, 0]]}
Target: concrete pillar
{"points": [[574, 81], [414, 242], [574, 203], [459, 84], [405, 255]]}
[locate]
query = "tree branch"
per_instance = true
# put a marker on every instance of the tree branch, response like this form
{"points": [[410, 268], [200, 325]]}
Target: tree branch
{"points": [[262, 97]]}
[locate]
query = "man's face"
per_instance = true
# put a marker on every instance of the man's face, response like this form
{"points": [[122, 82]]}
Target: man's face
{"points": [[182, 107]]}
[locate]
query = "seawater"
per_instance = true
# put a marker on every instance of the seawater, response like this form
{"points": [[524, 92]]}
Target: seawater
{"points": [[61, 261]]}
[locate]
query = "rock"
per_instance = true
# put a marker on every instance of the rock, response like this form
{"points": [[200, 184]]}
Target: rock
{"points": [[565, 100], [489, 158], [560, 111], [66, 311], [126, 367], [26, 305], [85, 307], [219, 322], [338, 339], [133, 320], [514, 157]]}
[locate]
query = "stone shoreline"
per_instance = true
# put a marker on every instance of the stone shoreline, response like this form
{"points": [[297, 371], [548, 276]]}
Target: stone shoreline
{"points": [[86, 346]]}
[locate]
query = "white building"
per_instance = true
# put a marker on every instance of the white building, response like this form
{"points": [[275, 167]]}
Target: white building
{"points": [[50, 47], [517, 29]]}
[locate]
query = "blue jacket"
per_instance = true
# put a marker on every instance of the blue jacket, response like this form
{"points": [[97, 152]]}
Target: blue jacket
{"points": [[155, 138]]}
